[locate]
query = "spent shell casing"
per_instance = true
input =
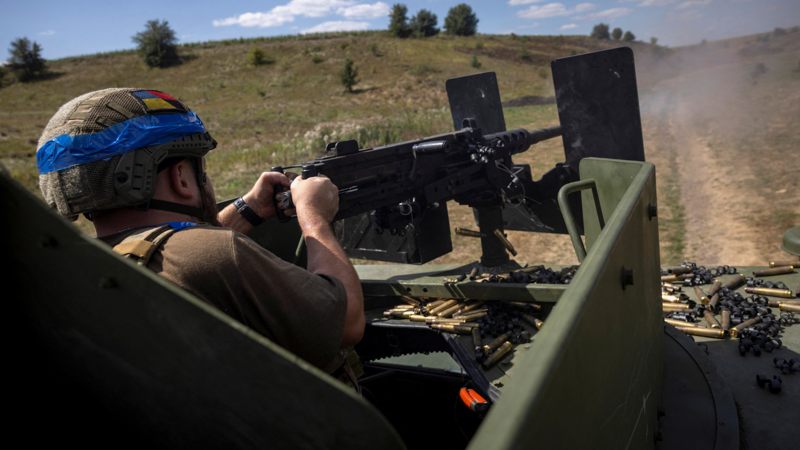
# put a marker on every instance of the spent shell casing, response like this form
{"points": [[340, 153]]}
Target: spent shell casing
{"points": [[680, 323], [712, 304], [701, 295], [736, 282], [398, 314], [443, 306], [670, 278], [789, 307], [674, 287], [505, 242], [453, 328], [498, 355], [404, 307], [469, 233], [473, 306], [473, 317], [734, 332], [676, 307], [449, 311], [712, 321], [410, 300], [714, 288], [477, 340], [774, 271], [777, 303], [417, 318], [474, 273], [670, 298], [434, 304], [679, 270], [697, 331], [785, 293], [726, 320], [530, 269], [523, 305], [440, 320], [785, 262], [533, 321], [461, 313], [496, 343]]}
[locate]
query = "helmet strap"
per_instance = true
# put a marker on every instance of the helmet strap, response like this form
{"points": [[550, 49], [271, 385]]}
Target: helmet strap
{"points": [[176, 208]]}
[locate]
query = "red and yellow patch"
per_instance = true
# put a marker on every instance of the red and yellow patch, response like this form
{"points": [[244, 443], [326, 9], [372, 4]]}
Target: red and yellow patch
{"points": [[156, 101]]}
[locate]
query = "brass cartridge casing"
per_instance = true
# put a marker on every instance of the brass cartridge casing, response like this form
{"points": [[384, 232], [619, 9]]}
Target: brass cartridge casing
{"points": [[679, 270], [701, 295], [477, 340], [789, 307], [473, 306], [712, 305], [530, 269], [774, 271], [434, 304], [505, 242], [726, 320], [670, 298], [670, 278], [714, 288], [404, 307], [535, 306], [474, 273], [460, 313], [398, 314], [734, 332], [785, 262], [785, 293], [736, 282], [449, 311], [417, 318], [533, 321], [712, 321], [431, 320], [443, 306], [496, 343], [469, 233], [777, 303], [452, 328], [472, 317], [410, 300], [697, 331], [680, 323], [674, 287], [675, 307], [498, 355]]}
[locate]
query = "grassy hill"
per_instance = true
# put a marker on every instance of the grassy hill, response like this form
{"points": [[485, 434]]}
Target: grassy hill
{"points": [[285, 112]]}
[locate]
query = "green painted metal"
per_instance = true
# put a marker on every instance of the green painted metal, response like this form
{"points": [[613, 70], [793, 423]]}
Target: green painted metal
{"points": [[569, 219], [588, 380], [791, 241], [138, 353]]}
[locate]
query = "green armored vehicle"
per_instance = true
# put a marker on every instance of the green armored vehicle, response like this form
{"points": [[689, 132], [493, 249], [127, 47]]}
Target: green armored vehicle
{"points": [[106, 353]]}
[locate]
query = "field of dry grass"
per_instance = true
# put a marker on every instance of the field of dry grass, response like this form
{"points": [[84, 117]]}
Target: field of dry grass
{"points": [[725, 143]]}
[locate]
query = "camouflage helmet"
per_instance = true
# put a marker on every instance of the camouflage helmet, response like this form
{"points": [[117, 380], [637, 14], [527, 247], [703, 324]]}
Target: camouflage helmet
{"points": [[102, 150]]}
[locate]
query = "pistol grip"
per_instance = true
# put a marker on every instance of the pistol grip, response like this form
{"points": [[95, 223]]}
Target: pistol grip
{"points": [[282, 217]]}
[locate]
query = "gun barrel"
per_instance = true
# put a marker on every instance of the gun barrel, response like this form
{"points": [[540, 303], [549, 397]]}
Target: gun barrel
{"points": [[544, 134]]}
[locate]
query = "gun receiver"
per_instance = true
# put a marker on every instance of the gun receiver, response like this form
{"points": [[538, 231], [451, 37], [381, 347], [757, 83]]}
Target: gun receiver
{"points": [[399, 181]]}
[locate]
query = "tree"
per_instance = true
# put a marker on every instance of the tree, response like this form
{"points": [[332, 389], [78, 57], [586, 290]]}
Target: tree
{"points": [[398, 22], [349, 75], [156, 44], [424, 24], [461, 21], [629, 37], [26, 59], [600, 31], [616, 34], [653, 40]]}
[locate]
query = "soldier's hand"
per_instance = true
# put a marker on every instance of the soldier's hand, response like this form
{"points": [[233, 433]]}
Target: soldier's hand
{"points": [[315, 198], [260, 198]]}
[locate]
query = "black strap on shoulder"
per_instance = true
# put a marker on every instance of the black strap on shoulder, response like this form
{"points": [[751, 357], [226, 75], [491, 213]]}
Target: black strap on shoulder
{"points": [[179, 208]]}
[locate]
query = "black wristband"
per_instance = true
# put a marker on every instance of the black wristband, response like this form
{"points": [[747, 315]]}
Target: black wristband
{"points": [[247, 212]]}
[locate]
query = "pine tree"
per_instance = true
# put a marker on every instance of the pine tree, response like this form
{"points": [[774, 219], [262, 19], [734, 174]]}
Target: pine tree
{"points": [[398, 22], [157, 44], [26, 59], [424, 24], [349, 75], [461, 21]]}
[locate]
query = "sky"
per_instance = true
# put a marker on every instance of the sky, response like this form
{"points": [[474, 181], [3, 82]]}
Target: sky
{"points": [[82, 27]]}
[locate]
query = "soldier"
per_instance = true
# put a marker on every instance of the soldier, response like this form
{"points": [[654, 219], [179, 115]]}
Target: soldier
{"points": [[132, 161]]}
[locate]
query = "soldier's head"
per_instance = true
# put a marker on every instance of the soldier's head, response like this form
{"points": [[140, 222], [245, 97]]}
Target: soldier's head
{"points": [[104, 150]]}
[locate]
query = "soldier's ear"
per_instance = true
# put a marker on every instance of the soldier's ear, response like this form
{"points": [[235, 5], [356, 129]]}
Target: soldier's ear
{"points": [[181, 179]]}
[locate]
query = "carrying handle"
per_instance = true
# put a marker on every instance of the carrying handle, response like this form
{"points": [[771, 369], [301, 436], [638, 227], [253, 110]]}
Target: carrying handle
{"points": [[569, 219]]}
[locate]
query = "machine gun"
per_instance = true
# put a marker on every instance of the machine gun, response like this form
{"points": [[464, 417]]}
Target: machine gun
{"points": [[403, 188]]}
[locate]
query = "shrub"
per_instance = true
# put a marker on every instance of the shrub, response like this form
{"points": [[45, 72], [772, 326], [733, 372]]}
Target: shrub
{"points": [[461, 21], [524, 54], [422, 70], [257, 57], [398, 21], [479, 45], [475, 63], [653, 40], [616, 34], [26, 59], [779, 32], [156, 44], [344, 45], [628, 37], [424, 24], [373, 47], [348, 75], [600, 31], [316, 59]]}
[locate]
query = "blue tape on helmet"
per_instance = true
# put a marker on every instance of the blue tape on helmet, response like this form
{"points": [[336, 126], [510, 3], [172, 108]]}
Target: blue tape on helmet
{"points": [[66, 151]]}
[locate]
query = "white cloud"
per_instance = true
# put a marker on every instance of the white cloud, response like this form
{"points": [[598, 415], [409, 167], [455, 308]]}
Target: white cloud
{"points": [[693, 3], [657, 2], [340, 25], [553, 10], [47, 33], [607, 14], [522, 2], [379, 9], [279, 15], [686, 16], [570, 26]]}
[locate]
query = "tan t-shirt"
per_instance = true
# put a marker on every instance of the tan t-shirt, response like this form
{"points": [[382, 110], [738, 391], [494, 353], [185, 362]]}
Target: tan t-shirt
{"points": [[300, 311]]}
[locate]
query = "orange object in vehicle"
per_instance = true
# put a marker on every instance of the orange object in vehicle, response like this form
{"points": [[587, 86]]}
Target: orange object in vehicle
{"points": [[473, 400]]}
